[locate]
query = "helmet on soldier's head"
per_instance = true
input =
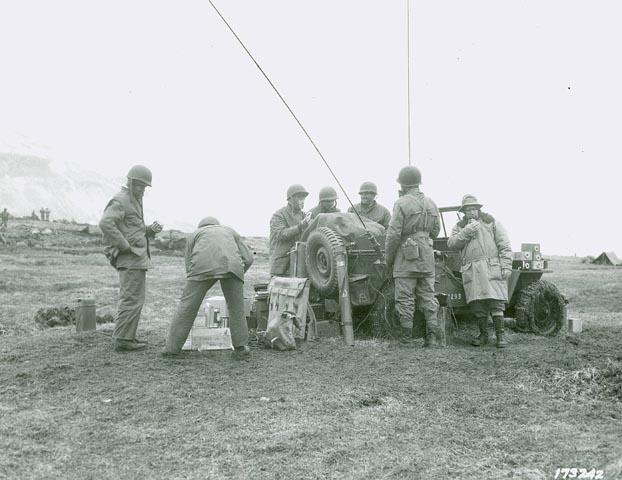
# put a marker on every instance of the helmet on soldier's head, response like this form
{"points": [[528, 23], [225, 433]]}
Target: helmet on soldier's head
{"points": [[469, 201], [208, 221], [409, 177], [295, 190], [141, 174], [368, 187], [327, 193]]}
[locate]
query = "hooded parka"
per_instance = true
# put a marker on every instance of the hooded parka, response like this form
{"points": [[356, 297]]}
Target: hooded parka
{"points": [[484, 256]]}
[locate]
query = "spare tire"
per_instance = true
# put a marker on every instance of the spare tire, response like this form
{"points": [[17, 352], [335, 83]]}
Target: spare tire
{"points": [[323, 245], [541, 306]]}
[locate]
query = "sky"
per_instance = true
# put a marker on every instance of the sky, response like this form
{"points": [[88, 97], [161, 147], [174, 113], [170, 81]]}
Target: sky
{"points": [[517, 102]]}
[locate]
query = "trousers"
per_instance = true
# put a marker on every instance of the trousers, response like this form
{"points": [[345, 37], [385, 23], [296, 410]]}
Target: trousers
{"points": [[190, 302], [131, 301], [410, 291]]}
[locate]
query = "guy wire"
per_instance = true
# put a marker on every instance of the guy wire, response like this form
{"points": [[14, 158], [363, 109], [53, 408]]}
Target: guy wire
{"points": [[290, 111]]}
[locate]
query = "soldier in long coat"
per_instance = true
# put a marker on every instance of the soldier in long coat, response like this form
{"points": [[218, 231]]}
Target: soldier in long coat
{"points": [[286, 227], [214, 253], [126, 240], [369, 208], [410, 256], [486, 266]]}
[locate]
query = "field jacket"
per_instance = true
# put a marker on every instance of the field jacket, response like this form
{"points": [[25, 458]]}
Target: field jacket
{"points": [[483, 258], [285, 231], [214, 251], [413, 226], [123, 227], [375, 212]]}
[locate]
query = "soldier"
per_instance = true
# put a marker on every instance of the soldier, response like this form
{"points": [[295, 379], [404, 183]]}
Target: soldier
{"points": [[214, 253], [369, 208], [42, 212], [286, 226], [486, 266], [327, 202], [47, 214], [127, 247], [410, 256], [5, 218]]}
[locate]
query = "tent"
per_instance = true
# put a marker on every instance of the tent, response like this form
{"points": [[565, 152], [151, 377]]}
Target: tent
{"points": [[607, 258]]}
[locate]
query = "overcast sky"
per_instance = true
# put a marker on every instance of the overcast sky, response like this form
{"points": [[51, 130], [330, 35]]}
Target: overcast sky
{"points": [[517, 102]]}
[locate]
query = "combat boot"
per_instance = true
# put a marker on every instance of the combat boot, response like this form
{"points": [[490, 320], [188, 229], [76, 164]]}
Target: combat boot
{"points": [[433, 335], [121, 345], [499, 330], [241, 353], [406, 336], [482, 339]]}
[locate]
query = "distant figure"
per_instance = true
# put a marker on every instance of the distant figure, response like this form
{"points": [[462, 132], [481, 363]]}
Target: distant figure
{"points": [[214, 253], [486, 255], [4, 216], [327, 202], [42, 212], [286, 227], [127, 248], [33, 215], [369, 208], [47, 214]]}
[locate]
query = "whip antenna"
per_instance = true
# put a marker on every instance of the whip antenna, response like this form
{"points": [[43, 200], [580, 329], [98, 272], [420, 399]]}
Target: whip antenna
{"points": [[408, 75], [374, 241]]}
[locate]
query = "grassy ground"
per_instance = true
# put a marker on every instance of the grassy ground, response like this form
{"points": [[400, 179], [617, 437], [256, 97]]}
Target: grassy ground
{"points": [[72, 408]]}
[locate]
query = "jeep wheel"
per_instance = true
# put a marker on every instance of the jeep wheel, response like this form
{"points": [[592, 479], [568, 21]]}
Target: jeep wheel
{"points": [[323, 245], [541, 306]]}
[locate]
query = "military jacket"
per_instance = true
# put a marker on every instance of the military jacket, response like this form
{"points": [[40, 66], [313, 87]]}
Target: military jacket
{"points": [[414, 224], [123, 226], [483, 257], [376, 213], [215, 251], [285, 231]]}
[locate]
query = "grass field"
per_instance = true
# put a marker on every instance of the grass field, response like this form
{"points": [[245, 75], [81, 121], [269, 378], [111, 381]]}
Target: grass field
{"points": [[72, 408]]}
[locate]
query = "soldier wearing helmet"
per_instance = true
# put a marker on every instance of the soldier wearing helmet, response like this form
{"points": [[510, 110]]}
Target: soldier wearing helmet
{"points": [[369, 208], [410, 256], [126, 240], [486, 266], [327, 202], [286, 227], [214, 253]]}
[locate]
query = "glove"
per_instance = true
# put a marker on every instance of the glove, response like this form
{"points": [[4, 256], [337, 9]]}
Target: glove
{"points": [[506, 273]]}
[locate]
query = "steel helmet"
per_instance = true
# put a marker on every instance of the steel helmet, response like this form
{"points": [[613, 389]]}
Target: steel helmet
{"points": [[296, 189], [140, 173], [409, 176], [368, 187], [208, 221], [469, 200], [328, 193]]}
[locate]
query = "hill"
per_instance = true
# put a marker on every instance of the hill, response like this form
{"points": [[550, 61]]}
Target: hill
{"points": [[29, 183]]}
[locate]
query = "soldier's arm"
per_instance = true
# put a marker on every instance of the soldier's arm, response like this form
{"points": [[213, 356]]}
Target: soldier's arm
{"points": [[109, 225], [189, 247], [458, 238], [504, 247], [245, 252], [435, 220], [394, 235], [281, 230], [386, 218]]}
